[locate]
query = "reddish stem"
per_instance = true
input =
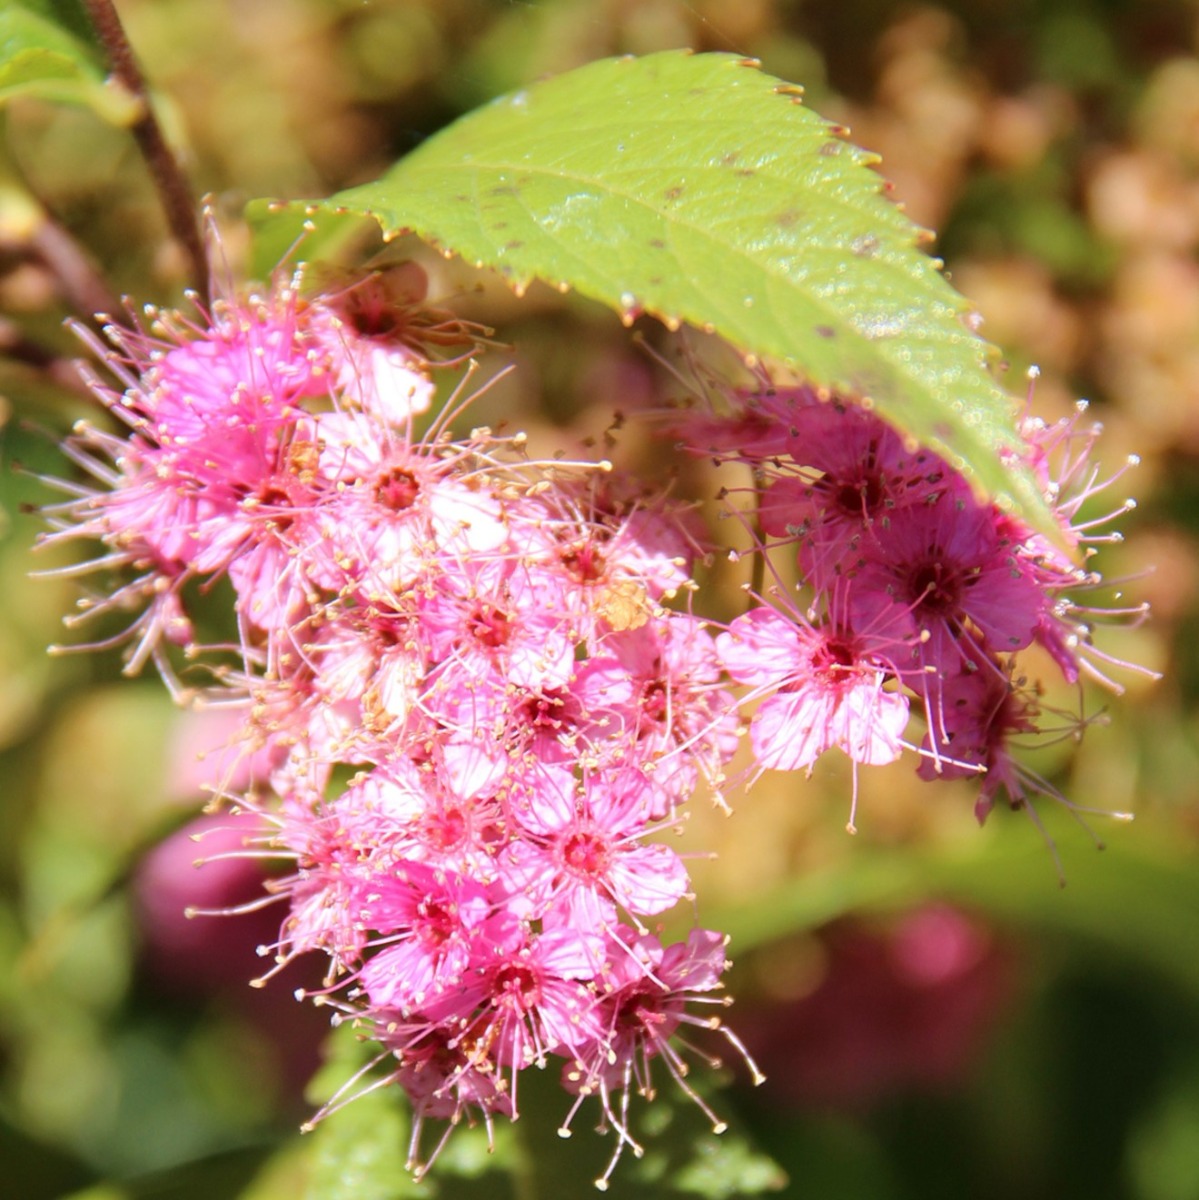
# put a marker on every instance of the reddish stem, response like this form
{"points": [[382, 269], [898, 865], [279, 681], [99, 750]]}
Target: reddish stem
{"points": [[168, 176]]}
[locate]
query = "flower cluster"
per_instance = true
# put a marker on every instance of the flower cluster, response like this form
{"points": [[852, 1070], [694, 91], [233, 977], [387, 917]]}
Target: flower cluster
{"points": [[459, 675], [919, 592], [472, 688]]}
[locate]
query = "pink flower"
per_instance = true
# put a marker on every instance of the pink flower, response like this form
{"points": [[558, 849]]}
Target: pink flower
{"points": [[522, 999], [428, 922], [826, 689], [580, 854], [648, 988]]}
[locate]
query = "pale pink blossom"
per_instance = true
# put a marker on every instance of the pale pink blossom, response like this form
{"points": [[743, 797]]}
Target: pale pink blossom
{"points": [[824, 690]]}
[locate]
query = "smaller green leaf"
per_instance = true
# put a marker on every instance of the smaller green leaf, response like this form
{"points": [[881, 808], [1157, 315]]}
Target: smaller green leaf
{"points": [[728, 1165], [69, 15], [41, 60], [359, 1152], [682, 1154], [289, 234]]}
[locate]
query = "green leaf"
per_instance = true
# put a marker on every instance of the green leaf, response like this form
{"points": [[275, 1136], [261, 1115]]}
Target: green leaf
{"points": [[682, 1154], [1131, 903], [41, 59], [291, 236], [698, 189], [359, 1152], [66, 14]]}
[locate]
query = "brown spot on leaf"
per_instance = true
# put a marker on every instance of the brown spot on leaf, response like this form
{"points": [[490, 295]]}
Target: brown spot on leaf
{"points": [[673, 193], [825, 331], [788, 217]]}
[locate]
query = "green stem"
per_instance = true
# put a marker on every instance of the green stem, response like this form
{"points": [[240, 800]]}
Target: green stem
{"points": [[758, 567]]}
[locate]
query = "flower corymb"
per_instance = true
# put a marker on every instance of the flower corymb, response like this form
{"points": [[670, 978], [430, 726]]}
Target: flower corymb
{"points": [[479, 689]]}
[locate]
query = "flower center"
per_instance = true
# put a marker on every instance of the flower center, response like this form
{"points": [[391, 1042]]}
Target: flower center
{"points": [[445, 829], [584, 561], [934, 589], [834, 658], [859, 498], [397, 489], [584, 854], [655, 699], [436, 923], [490, 625], [547, 710], [516, 985]]}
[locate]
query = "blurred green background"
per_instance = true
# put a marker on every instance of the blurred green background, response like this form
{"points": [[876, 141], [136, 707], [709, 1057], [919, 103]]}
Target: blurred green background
{"points": [[938, 1018]]}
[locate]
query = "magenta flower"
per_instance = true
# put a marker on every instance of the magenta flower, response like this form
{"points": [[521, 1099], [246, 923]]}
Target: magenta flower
{"points": [[647, 993], [973, 718], [948, 571]]}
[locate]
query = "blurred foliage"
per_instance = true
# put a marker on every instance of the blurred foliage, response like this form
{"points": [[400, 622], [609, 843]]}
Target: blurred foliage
{"points": [[1055, 145]]}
